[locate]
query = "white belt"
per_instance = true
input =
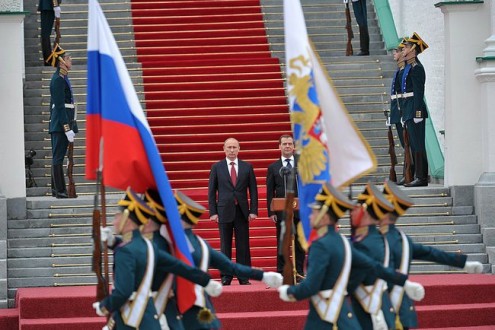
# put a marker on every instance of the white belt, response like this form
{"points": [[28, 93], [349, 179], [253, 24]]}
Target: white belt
{"points": [[404, 95], [133, 295], [66, 105]]}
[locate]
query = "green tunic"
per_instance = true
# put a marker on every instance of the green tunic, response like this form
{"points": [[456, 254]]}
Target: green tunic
{"points": [[407, 312]]}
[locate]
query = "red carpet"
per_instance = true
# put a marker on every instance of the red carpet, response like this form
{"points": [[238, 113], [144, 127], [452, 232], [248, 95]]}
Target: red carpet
{"points": [[463, 301], [208, 75]]}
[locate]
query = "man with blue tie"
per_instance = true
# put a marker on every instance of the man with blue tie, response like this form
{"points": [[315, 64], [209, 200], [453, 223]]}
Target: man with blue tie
{"points": [[231, 179], [276, 185]]}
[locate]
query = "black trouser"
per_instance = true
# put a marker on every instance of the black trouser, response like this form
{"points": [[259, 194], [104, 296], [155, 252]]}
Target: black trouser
{"points": [[47, 18], [417, 137], [59, 149], [240, 228], [361, 14]]}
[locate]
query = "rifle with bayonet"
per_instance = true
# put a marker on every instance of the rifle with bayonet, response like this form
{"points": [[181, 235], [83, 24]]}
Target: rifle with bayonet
{"points": [[392, 175], [102, 283], [348, 27]]}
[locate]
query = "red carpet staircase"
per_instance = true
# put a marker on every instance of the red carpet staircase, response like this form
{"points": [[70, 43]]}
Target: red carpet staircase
{"points": [[208, 74]]}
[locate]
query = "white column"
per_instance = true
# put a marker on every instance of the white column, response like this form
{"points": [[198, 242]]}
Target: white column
{"points": [[12, 171], [466, 27], [484, 189]]}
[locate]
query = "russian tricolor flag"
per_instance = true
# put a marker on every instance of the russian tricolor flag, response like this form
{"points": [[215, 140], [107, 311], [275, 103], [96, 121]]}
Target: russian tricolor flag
{"points": [[119, 137]]}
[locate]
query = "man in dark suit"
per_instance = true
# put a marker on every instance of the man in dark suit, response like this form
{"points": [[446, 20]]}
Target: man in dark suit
{"points": [[276, 184], [230, 181]]}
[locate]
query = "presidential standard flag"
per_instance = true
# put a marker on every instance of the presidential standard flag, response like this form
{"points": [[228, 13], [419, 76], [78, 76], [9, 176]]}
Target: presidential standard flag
{"points": [[116, 123], [330, 147]]}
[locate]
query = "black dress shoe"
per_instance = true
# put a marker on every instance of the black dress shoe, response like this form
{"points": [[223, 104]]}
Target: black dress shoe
{"points": [[417, 183], [226, 281], [61, 195], [363, 54], [244, 282]]}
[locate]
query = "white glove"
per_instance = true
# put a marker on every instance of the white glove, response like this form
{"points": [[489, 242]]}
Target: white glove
{"points": [[417, 120], [282, 291], [473, 267], [96, 306], [70, 135], [213, 288], [414, 290], [346, 1], [106, 235], [57, 11], [387, 122], [272, 279]]}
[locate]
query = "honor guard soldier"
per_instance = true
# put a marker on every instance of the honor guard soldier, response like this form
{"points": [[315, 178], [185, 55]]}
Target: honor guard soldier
{"points": [[332, 262], [414, 111], [202, 314], [404, 250], [370, 300], [49, 10], [395, 114], [63, 125], [131, 304]]}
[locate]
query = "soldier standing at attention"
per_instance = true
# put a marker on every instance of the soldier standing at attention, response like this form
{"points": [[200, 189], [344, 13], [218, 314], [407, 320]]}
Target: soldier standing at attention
{"points": [[414, 111], [404, 251], [49, 10], [202, 314], [395, 115], [63, 125], [332, 265], [361, 14]]}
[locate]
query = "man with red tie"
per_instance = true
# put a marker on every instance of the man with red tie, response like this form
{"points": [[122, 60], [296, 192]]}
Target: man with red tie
{"points": [[230, 181]]}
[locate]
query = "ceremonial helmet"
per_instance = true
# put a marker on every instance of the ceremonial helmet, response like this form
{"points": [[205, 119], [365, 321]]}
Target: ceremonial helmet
{"points": [[133, 207], [153, 199], [56, 56], [397, 198], [190, 211], [375, 202], [417, 42], [332, 201]]}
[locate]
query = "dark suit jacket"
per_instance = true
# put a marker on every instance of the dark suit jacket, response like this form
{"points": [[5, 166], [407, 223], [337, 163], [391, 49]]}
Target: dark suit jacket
{"points": [[275, 186], [224, 203]]}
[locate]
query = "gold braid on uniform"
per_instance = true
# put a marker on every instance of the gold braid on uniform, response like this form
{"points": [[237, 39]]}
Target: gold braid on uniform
{"points": [[188, 210], [205, 316], [56, 54], [338, 206], [134, 206], [371, 201], [400, 205], [159, 209]]}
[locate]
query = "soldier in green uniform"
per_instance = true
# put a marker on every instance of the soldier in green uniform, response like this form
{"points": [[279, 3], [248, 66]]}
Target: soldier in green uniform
{"points": [[202, 314], [361, 14], [63, 125], [49, 10], [414, 111], [404, 250], [394, 116], [131, 304], [333, 264], [370, 300]]}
